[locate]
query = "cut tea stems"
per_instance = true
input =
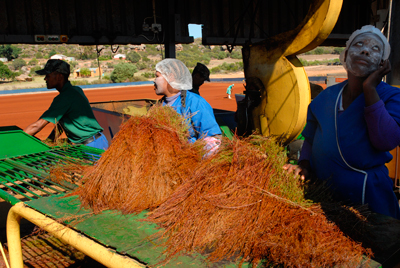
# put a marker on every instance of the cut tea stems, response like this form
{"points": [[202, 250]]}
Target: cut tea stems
{"points": [[146, 161], [240, 204]]}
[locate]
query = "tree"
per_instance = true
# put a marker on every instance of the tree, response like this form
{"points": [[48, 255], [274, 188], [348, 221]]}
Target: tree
{"points": [[133, 57], [122, 72], [10, 52], [85, 72], [17, 64], [5, 73]]}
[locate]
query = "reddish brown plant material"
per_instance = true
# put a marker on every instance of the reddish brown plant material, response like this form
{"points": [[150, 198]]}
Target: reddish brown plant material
{"points": [[146, 161], [240, 204], [70, 172]]}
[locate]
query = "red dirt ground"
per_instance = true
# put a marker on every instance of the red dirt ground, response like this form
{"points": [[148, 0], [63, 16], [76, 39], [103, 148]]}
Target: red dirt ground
{"points": [[23, 109]]}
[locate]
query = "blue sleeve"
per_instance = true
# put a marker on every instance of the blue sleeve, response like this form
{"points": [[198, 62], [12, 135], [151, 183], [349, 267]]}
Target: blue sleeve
{"points": [[311, 126], [202, 117]]}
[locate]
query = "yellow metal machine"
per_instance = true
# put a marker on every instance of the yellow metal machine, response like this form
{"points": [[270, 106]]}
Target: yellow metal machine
{"points": [[277, 87]]}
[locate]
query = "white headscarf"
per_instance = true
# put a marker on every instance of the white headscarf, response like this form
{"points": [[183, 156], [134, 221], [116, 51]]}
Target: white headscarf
{"points": [[176, 73]]}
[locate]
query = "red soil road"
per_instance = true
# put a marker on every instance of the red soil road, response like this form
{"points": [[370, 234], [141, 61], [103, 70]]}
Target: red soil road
{"points": [[23, 109]]}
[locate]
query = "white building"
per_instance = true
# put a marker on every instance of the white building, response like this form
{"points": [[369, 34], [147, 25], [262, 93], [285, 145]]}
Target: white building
{"points": [[120, 56], [3, 59], [58, 57]]}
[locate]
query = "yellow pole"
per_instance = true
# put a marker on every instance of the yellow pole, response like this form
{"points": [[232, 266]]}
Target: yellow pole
{"points": [[87, 246], [4, 255]]}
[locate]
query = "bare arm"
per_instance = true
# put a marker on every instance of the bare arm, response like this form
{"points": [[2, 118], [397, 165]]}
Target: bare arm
{"points": [[34, 128]]}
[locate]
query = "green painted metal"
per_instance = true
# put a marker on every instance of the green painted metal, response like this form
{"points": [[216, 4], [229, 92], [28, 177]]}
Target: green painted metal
{"points": [[226, 132], [127, 234], [16, 143], [25, 168]]}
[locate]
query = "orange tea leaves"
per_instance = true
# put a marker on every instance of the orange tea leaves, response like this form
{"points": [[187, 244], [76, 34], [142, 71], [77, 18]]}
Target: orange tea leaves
{"points": [[146, 161], [240, 204]]}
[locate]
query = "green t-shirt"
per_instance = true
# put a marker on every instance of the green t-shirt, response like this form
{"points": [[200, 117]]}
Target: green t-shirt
{"points": [[72, 110]]}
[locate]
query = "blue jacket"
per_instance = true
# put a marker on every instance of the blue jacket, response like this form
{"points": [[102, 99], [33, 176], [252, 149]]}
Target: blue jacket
{"points": [[200, 114], [343, 154]]}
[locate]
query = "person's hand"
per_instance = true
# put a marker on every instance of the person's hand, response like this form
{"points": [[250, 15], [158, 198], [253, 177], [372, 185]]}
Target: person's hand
{"points": [[297, 170], [376, 77]]}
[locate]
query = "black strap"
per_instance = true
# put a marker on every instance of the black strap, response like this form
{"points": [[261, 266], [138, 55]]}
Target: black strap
{"points": [[183, 102], [183, 98]]}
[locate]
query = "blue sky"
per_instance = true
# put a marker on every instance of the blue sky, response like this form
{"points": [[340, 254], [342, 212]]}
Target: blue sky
{"points": [[195, 30]]}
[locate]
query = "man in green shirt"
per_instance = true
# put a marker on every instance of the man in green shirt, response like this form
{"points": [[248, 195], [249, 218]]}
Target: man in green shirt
{"points": [[70, 109]]}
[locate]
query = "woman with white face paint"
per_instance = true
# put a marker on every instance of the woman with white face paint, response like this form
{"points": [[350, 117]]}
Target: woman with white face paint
{"points": [[352, 126]]}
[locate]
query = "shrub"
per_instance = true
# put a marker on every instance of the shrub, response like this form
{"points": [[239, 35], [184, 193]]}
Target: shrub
{"points": [[141, 65], [133, 57], [337, 50], [215, 70], [17, 64], [228, 67], [94, 64], [39, 55], [122, 72], [73, 64], [33, 69], [137, 79], [9, 51], [148, 74], [236, 55], [221, 55], [105, 57], [319, 51], [85, 72], [33, 61], [52, 53], [79, 83], [5, 72], [102, 81]]}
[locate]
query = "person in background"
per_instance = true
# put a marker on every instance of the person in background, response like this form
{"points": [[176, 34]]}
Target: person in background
{"points": [[200, 74], [229, 90], [173, 81], [352, 126], [70, 110]]}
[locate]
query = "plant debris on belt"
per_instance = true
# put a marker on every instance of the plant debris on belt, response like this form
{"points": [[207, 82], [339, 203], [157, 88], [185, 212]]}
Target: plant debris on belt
{"points": [[236, 204]]}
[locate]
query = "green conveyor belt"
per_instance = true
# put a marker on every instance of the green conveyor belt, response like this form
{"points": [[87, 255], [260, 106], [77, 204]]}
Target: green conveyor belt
{"points": [[127, 234], [25, 164]]}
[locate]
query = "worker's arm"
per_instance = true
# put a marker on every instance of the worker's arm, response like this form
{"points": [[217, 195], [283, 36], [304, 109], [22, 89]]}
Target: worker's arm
{"points": [[34, 128]]}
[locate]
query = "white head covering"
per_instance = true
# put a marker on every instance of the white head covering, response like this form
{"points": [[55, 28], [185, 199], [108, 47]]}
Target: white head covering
{"points": [[176, 73], [363, 30]]}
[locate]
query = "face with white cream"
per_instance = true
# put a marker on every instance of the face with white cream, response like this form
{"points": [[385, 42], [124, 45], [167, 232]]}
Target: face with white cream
{"points": [[364, 55]]}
